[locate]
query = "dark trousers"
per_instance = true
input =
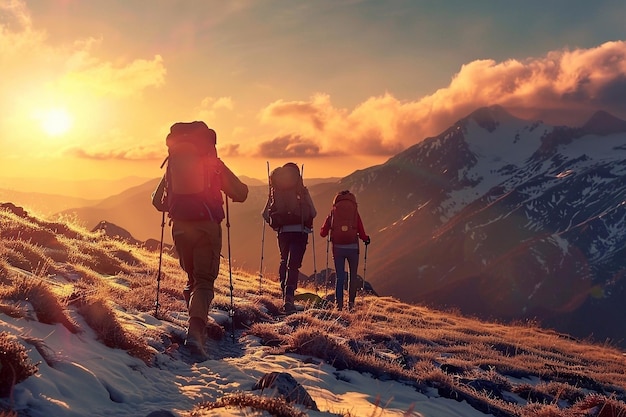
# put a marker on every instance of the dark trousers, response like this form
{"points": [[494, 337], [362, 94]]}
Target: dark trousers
{"points": [[198, 245], [292, 246]]}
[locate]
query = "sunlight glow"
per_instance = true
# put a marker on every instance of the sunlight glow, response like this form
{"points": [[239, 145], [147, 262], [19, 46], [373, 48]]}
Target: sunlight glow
{"points": [[56, 121]]}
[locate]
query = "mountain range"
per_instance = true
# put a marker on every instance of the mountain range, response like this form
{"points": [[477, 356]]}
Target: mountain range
{"points": [[496, 217], [504, 218]]}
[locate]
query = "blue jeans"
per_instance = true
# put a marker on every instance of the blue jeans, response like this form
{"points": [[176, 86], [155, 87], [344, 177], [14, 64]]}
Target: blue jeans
{"points": [[340, 256], [292, 246]]}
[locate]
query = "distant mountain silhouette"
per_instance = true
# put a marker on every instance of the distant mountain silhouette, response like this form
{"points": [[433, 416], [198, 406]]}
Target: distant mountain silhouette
{"points": [[42, 203], [251, 181], [131, 209], [603, 124], [81, 189]]}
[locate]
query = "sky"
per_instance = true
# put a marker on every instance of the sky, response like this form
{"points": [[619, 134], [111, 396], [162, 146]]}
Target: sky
{"points": [[89, 89]]}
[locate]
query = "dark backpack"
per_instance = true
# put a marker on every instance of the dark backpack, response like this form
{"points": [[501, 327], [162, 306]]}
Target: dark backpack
{"points": [[288, 204], [344, 225], [193, 183]]}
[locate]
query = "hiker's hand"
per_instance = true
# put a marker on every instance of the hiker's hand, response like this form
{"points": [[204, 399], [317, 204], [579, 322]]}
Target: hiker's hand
{"points": [[367, 241]]}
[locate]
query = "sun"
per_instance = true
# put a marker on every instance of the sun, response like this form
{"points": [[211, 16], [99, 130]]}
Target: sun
{"points": [[56, 121]]}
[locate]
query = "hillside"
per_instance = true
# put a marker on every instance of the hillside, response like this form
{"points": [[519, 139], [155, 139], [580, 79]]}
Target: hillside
{"points": [[500, 217], [73, 302]]}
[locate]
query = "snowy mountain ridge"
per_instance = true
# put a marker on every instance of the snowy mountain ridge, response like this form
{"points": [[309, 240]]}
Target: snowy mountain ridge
{"points": [[505, 218]]}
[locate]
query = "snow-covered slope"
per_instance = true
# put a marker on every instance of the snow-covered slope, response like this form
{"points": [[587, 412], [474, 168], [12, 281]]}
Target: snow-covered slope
{"points": [[505, 218]]}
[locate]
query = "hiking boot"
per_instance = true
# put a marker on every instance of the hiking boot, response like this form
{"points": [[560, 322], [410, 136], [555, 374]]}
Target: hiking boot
{"points": [[196, 337], [196, 350], [289, 308]]}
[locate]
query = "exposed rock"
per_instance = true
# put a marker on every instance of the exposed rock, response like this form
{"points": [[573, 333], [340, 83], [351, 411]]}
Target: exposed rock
{"points": [[18, 211], [154, 245], [161, 413], [283, 384], [115, 231]]}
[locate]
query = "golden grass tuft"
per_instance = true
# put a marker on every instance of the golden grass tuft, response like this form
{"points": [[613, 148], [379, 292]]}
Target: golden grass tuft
{"points": [[44, 301], [15, 366], [101, 318]]}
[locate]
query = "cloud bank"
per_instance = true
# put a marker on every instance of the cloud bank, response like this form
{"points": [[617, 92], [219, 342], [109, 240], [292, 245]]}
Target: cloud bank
{"points": [[139, 153], [563, 87]]}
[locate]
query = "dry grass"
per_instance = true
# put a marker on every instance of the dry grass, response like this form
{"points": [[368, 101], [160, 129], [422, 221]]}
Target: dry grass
{"points": [[485, 364], [275, 406], [80, 270], [44, 301], [506, 370], [101, 318], [15, 366]]}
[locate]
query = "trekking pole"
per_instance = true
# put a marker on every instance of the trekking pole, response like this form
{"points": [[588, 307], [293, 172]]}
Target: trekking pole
{"points": [[314, 262], [156, 303], [269, 193], [364, 269], [313, 237], [326, 279], [261, 266], [231, 313]]}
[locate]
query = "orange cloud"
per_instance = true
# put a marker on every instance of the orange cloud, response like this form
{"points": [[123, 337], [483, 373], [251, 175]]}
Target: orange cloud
{"points": [[368, 129], [229, 150], [213, 109], [288, 147], [139, 153], [104, 79], [563, 87]]}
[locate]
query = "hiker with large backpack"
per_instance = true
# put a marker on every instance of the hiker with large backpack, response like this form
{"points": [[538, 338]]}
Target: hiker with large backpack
{"points": [[191, 193], [346, 228], [290, 212]]}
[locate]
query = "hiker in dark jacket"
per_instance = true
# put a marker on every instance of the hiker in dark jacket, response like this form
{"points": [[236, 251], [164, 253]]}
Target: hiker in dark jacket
{"points": [[198, 244], [293, 235], [345, 239]]}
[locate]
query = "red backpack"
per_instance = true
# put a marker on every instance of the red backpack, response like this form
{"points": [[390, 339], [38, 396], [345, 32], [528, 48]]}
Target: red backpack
{"points": [[193, 173], [344, 225]]}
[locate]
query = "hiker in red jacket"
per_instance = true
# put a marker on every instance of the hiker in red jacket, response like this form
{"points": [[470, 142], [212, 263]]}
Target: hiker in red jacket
{"points": [[346, 228]]}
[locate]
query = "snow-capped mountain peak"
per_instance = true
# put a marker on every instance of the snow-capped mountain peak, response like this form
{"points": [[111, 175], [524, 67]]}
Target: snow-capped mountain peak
{"points": [[508, 218]]}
